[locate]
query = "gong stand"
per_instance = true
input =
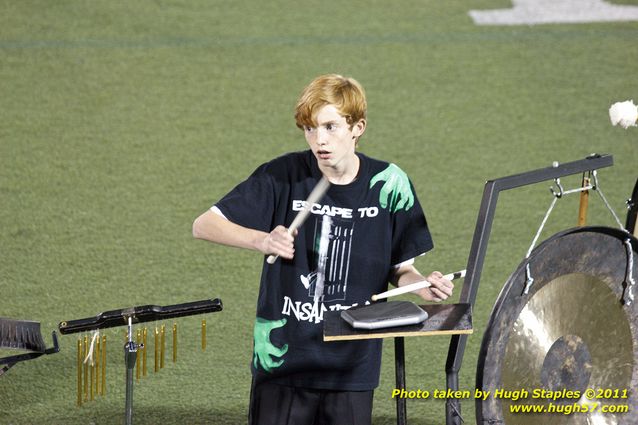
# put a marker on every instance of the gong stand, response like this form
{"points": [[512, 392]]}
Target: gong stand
{"points": [[129, 316], [632, 213], [479, 248]]}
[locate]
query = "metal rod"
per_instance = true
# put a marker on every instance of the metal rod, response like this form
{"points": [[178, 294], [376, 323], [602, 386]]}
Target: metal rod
{"points": [[138, 340], [92, 378], [453, 405], [144, 332], [399, 367], [103, 365], [86, 368], [203, 334], [130, 358], [163, 347], [97, 365], [79, 366], [174, 342], [156, 349]]}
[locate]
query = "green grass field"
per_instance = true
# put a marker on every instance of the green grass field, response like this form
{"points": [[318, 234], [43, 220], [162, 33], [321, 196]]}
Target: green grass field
{"points": [[123, 121]]}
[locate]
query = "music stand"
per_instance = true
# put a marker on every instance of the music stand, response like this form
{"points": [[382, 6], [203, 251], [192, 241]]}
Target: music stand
{"points": [[443, 319]]}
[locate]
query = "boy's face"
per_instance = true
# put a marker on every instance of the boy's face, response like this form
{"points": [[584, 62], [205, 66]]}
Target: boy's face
{"points": [[333, 140]]}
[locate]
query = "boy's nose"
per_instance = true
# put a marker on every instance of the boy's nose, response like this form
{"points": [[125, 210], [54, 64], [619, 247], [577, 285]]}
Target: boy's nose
{"points": [[322, 137]]}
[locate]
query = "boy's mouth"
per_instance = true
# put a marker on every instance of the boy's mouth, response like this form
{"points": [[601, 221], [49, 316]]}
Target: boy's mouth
{"points": [[323, 154]]}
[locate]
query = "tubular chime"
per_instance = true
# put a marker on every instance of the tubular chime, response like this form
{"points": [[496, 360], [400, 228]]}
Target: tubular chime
{"points": [[91, 368], [91, 350]]}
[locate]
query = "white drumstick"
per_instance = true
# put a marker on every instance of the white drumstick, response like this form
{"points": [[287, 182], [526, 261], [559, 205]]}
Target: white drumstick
{"points": [[317, 193], [415, 286]]}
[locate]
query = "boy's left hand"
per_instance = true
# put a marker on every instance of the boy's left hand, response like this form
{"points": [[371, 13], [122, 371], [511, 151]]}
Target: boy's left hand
{"points": [[440, 290]]}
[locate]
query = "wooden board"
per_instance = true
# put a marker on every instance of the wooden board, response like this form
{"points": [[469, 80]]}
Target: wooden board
{"points": [[444, 319]]}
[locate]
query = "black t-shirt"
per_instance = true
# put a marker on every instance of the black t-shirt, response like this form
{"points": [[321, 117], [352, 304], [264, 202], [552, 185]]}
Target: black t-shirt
{"points": [[375, 223]]}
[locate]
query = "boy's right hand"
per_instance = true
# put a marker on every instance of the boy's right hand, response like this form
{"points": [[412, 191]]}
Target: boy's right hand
{"points": [[279, 242]]}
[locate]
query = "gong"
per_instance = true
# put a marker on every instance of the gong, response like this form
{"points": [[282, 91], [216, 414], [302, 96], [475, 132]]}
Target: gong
{"points": [[568, 346]]}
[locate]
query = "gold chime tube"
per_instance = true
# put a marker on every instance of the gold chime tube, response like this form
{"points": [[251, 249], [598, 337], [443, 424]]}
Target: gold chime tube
{"points": [[85, 352], [103, 365], [79, 365], [156, 349], [203, 334], [97, 356], [144, 351], [174, 342], [92, 375], [162, 349], [138, 341]]}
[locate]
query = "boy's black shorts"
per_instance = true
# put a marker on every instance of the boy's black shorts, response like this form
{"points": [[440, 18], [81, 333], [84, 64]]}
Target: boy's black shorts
{"points": [[272, 404]]}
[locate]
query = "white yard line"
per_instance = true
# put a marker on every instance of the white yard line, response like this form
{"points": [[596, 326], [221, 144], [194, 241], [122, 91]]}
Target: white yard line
{"points": [[533, 12]]}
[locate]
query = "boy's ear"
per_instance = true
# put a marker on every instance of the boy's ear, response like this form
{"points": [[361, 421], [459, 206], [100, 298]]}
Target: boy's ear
{"points": [[358, 128]]}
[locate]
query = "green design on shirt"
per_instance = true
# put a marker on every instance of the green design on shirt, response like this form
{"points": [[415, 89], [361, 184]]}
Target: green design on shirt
{"points": [[264, 349], [396, 189]]}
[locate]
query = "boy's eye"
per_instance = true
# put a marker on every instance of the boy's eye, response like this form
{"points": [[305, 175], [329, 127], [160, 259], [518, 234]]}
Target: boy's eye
{"points": [[331, 127], [308, 129]]}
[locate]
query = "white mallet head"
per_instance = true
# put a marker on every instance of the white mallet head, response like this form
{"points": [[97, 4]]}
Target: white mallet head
{"points": [[624, 113]]}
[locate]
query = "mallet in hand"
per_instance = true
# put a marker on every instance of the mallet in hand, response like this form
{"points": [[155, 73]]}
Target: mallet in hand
{"points": [[415, 286], [317, 193]]}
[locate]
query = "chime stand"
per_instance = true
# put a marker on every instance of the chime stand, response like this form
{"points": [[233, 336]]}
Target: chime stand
{"points": [[130, 357], [139, 314]]}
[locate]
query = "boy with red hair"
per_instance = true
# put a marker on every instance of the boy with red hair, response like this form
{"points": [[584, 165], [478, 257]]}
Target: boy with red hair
{"points": [[375, 230]]}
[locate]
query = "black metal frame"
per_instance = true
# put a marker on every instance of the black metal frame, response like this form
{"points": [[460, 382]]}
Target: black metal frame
{"points": [[479, 248], [139, 314], [399, 371], [632, 214]]}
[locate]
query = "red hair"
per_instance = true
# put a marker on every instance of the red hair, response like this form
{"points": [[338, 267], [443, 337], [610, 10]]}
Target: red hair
{"points": [[344, 93]]}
